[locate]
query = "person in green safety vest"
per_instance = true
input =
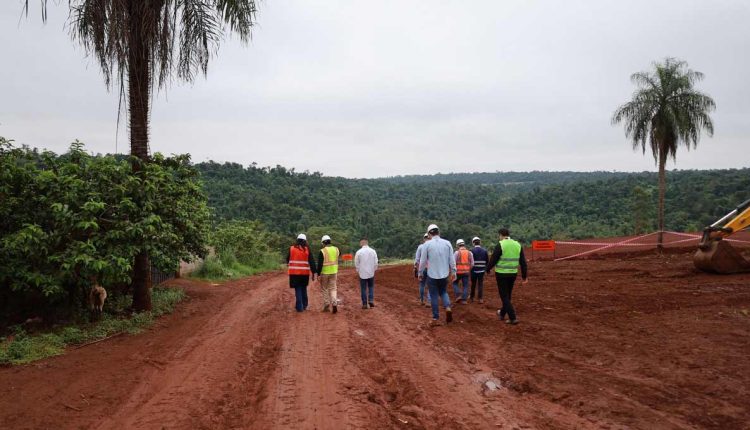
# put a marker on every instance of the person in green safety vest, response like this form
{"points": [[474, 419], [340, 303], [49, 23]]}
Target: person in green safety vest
{"points": [[328, 268], [506, 259]]}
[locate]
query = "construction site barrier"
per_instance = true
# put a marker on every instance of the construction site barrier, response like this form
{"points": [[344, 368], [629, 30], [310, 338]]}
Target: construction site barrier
{"points": [[646, 241]]}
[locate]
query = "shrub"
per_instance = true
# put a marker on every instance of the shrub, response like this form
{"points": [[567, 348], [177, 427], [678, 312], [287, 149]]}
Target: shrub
{"points": [[65, 219]]}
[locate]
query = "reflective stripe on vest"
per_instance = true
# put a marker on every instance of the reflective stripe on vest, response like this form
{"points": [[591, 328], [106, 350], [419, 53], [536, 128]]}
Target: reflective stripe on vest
{"points": [[462, 265], [330, 260], [508, 262], [299, 261]]}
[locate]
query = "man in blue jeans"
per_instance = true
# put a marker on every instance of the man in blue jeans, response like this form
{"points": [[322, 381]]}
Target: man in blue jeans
{"points": [[464, 262], [437, 258], [423, 278], [366, 263]]}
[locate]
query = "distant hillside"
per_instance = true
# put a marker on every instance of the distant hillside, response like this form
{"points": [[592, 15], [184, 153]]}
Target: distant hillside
{"points": [[394, 212], [507, 178]]}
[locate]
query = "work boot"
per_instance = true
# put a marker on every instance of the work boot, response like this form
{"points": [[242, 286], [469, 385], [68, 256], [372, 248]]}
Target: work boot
{"points": [[448, 315], [325, 308], [364, 306], [510, 321], [372, 305], [335, 309], [500, 316]]}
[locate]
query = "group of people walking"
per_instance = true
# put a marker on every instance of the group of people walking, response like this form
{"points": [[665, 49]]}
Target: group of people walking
{"points": [[301, 266], [436, 265]]}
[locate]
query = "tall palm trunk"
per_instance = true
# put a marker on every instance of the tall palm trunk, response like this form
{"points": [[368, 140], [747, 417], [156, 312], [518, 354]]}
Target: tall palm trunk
{"points": [[138, 97], [662, 191]]}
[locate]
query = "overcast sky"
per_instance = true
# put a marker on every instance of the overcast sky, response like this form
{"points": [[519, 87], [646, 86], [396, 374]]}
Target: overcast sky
{"points": [[369, 89]]}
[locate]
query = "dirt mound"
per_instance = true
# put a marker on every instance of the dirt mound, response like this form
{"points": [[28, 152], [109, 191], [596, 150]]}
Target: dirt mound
{"points": [[625, 342]]}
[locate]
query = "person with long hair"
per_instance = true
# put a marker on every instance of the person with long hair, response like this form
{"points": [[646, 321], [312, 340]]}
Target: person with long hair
{"points": [[301, 265]]}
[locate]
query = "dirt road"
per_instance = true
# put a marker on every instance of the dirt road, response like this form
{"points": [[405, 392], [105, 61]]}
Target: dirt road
{"points": [[612, 343]]}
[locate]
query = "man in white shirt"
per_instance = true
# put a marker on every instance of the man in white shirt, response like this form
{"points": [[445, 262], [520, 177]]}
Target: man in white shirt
{"points": [[366, 263]]}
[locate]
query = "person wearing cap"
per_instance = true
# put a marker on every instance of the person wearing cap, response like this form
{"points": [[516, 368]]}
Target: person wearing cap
{"points": [[477, 271], [300, 264], [464, 263], [366, 263], [437, 259], [506, 258], [328, 268], [423, 278]]}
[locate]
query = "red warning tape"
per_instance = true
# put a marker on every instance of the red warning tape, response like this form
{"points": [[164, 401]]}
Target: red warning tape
{"points": [[624, 243]]}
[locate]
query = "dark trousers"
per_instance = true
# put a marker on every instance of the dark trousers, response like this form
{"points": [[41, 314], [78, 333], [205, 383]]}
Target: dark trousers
{"points": [[477, 279], [505, 288], [363, 285], [300, 295]]}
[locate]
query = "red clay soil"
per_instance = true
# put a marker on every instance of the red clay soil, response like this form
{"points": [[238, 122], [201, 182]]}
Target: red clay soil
{"points": [[620, 343]]}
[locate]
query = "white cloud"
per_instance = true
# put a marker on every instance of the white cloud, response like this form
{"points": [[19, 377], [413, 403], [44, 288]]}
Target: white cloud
{"points": [[360, 88]]}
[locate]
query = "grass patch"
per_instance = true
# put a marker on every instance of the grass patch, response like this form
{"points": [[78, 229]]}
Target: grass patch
{"points": [[221, 269], [394, 261], [22, 348]]}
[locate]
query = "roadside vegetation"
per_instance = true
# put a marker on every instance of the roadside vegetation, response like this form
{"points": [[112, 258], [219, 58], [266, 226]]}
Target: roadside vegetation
{"points": [[241, 248], [22, 345], [393, 212], [69, 221]]}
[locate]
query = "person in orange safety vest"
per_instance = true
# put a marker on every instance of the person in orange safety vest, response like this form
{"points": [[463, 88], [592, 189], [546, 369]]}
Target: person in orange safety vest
{"points": [[464, 263]]}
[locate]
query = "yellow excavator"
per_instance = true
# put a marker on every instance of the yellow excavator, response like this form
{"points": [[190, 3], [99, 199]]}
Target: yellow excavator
{"points": [[715, 254]]}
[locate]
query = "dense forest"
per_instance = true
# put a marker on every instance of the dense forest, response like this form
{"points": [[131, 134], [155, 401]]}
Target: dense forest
{"points": [[393, 212]]}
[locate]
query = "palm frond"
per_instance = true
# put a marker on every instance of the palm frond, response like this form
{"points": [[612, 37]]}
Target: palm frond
{"points": [[666, 111]]}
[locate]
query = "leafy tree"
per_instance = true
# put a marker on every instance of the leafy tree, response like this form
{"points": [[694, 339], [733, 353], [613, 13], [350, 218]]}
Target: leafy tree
{"points": [[641, 209], [66, 219], [247, 241], [666, 111], [143, 44]]}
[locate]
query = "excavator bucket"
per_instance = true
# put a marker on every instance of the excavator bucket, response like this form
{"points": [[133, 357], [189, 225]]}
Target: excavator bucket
{"points": [[718, 256]]}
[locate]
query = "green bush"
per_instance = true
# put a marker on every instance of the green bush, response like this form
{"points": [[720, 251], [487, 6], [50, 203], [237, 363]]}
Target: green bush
{"points": [[242, 248], [67, 219]]}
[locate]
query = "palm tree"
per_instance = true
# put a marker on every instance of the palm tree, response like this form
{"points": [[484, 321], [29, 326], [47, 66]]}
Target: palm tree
{"points": [[140, 43], [666, 112]]}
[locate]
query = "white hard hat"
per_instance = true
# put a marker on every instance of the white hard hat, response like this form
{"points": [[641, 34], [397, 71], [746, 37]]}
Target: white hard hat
{"points": [[432, 227], [302, 236], [460, 242], [476, 239], [324, 238]]}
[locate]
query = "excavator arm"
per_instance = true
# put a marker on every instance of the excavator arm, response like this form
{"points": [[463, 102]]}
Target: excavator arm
{"points": [[718, 256]]}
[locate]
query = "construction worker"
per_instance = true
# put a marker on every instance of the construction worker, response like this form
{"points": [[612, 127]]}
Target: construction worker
{"points": [[437, 259], [506, 258], [464, 262], [477, 271], [328, 267], [300, 265], [423, 279], [366, 263]]}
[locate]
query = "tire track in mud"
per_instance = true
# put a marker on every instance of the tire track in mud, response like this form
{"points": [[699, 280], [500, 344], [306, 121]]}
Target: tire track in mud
{"points": [[645, 353], [217, 375]]}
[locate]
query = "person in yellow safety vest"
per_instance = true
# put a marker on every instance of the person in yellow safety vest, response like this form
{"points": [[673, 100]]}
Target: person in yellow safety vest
{"points": [[506, 259], [328, 267], [464, 263]]}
